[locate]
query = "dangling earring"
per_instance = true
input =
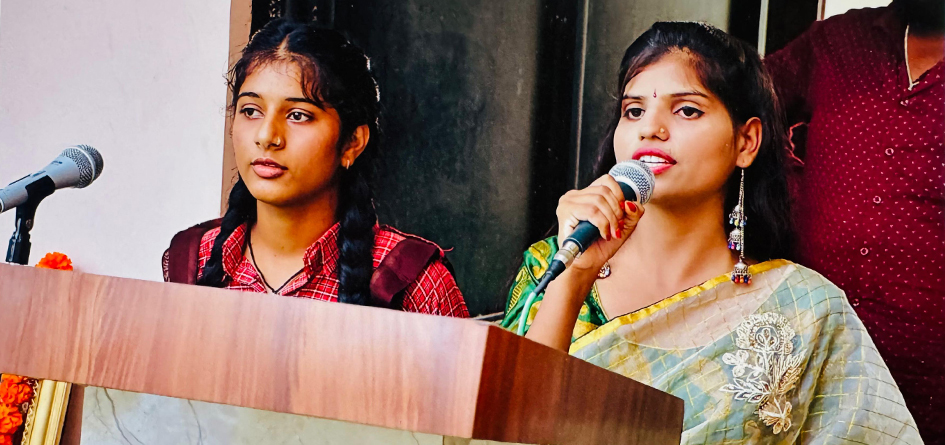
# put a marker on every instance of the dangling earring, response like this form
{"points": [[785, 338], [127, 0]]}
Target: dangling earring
{"points": [[604, 271], [347, 164], [736, 239]]}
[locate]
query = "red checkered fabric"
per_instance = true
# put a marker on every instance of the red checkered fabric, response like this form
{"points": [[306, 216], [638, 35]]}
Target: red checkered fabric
{"points": [[434, 291]]}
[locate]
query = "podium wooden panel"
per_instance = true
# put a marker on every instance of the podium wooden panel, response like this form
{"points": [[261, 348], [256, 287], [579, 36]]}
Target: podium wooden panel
{"points": [[372, 366]]}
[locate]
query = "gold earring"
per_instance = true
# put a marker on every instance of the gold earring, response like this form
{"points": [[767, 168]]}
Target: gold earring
{"points": [[347, 164]]}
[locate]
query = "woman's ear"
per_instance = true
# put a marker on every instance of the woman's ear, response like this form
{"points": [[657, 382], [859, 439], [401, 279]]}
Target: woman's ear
{"points": [[747, 141], [356, 145]]}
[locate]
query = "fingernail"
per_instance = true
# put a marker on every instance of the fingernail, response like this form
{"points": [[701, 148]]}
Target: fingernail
{"points": [[631, 207], [618, 233]]}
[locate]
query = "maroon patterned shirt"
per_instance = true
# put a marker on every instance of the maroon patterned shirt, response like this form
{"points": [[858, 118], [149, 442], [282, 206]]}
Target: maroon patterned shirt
{"points": [[870, 190], [434, 291]]}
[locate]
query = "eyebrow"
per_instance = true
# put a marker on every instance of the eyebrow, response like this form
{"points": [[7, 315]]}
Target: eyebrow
{"points": [[302, 100], [288, 99], [679, 94]]}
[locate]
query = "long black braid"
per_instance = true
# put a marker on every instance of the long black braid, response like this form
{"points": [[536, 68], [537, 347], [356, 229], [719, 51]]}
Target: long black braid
{"points": [[337, 74], [356, 236], [241, 208]]}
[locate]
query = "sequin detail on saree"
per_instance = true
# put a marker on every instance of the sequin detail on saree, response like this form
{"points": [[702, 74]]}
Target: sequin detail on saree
{"points": [[765, 367]]}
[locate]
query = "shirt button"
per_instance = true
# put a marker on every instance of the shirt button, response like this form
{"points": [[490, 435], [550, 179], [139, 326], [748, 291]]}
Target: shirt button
{"points": [[877, 200], [854, 303], [890, 151], [864, 251]]}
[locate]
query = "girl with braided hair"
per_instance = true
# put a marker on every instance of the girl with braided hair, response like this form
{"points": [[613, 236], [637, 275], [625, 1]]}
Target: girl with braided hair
{"points": [[300, 220]]}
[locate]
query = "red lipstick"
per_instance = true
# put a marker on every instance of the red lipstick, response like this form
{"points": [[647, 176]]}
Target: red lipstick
{"points": [[658, 160]]}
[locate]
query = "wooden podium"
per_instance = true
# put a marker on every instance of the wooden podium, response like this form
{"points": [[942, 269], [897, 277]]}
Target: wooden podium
{"points": [[372, 366]]}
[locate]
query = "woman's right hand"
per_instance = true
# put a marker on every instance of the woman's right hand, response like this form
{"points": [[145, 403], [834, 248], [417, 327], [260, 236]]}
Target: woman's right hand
{"points": [[602, 204]]}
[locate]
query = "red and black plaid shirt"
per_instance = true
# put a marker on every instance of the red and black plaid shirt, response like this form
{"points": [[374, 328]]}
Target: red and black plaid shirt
{"points": [[434, 291]]}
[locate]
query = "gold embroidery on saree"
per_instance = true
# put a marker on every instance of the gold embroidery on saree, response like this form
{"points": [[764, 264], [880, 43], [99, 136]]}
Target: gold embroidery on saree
{"points": [[540, 251], [765, 367], [522, 282]]}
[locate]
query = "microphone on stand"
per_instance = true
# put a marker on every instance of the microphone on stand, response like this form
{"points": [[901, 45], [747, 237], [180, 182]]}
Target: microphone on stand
{"points": [[75, 167]]}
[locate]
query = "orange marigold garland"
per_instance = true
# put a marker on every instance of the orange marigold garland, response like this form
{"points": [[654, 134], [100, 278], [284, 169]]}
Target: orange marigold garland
{"points": [[55, 260], [15, 391], [10, 419], [15, 394]]}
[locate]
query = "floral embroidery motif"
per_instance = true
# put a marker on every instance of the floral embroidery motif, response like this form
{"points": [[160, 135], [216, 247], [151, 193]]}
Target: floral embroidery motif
{"points": [[765, 367]]}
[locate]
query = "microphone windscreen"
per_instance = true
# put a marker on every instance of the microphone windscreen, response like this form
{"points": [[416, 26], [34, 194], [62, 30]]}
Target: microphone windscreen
{"points": [[89, 162], [97, 162], [637, 176]]}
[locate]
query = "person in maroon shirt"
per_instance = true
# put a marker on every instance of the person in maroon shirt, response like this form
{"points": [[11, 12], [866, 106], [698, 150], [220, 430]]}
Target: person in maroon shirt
{"points": [[869, 186]]}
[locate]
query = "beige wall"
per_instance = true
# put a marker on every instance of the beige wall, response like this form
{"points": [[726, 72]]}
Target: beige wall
{"points": [[143, 83], [835, 7]]}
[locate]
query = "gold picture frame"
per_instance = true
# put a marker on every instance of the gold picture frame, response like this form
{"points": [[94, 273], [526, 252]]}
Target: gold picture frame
{"points": [[47, 412]]}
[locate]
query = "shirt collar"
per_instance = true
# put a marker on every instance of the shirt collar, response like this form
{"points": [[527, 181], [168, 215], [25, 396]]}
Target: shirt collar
{"points": [[233, 250], [321, 258]]}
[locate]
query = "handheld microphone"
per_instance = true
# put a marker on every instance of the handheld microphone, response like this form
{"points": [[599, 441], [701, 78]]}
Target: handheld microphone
{"points": [[636, 182], [76, 167]]}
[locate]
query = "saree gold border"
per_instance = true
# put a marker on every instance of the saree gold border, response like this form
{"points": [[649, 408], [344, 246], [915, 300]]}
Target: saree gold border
{"points": [[47, 413], [539, 251], [640, 314]]}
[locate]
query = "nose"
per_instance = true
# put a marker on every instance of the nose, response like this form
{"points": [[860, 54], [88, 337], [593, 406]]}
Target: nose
{"points": [[652, 126], [271, 135]]}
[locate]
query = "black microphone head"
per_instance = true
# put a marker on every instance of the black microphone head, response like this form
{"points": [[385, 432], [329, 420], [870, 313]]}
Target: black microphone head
{"points": [[638, 177], [89, 161]]}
